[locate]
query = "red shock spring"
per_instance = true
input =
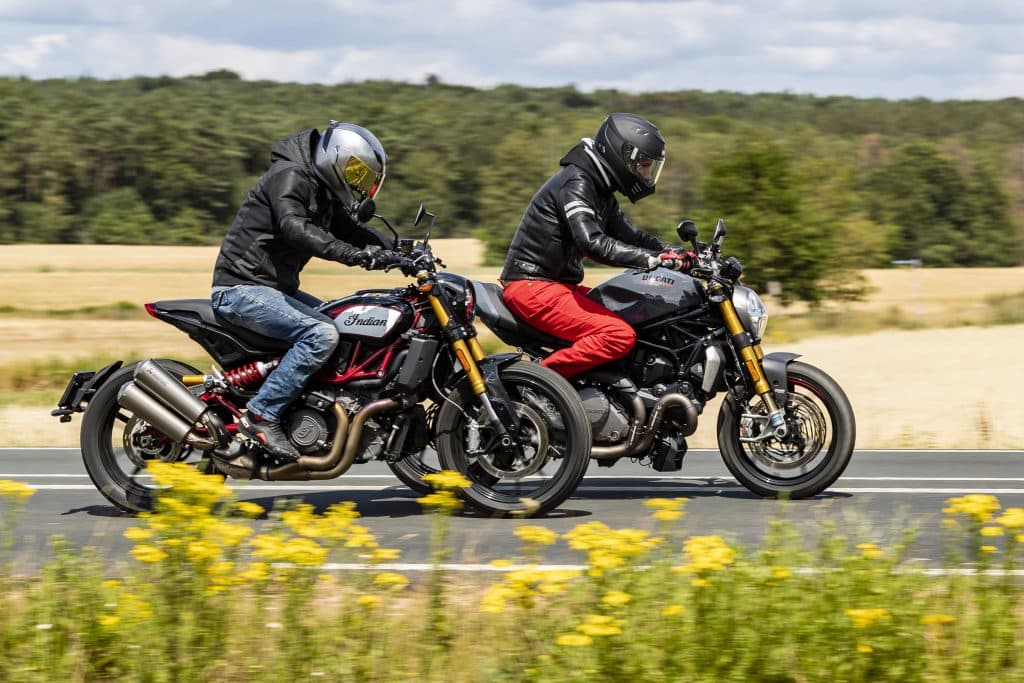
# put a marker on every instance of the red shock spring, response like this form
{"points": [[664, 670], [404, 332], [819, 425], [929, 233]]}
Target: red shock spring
{"points": [[250, 374]]}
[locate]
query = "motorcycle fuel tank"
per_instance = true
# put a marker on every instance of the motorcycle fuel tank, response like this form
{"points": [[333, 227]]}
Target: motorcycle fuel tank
{"points": [[639, 297], [370, 316]]}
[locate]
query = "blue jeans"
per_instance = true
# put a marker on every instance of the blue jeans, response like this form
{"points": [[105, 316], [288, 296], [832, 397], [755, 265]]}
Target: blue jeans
{"points": [[291, 318]]}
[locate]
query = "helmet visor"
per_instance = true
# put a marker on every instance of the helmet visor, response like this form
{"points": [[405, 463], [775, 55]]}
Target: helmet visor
{"points": [[644, 167], [361, 178]]}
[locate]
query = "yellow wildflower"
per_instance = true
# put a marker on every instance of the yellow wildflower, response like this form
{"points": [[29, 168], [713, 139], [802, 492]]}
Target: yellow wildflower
{"points": [[148, 553], [248, 509], [708, 553], [1012, 518], [447, 479], [441, 501], [573, 640], [989, 549], [501, 563], [385, 554], [665, 503], [865, 617], [937, 619], [600, 625], [109, 620], [667, 515], [15, 489], [136, 533], [368, 600], [390, 579], [864, 647], [870, 551], [991, 531], [672, 610], [781, 573], [616, 598], [256, 571], [977, 506], [537, 535]]}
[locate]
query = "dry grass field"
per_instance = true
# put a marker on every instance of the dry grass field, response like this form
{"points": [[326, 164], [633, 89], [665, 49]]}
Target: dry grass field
{"points": [[953, 383]]}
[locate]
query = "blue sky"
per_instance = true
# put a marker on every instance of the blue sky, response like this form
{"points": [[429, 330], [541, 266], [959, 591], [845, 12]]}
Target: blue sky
{"points": [[940, 49]]}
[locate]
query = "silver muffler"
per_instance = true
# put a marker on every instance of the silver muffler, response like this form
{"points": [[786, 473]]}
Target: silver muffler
{"points": [[157, 397]]}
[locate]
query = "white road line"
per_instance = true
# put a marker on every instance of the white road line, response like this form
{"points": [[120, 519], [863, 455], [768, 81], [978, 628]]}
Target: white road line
{"points": [[709, 488], [611, 477]]}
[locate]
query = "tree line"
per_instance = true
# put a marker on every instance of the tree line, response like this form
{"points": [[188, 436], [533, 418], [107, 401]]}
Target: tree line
{"points": [[811, 188]]}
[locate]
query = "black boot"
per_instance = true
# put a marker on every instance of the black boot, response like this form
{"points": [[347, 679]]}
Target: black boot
{"points": [[270, 434]]}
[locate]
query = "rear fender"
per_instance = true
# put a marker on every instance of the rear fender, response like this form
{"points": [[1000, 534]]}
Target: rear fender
{"points": [[80, 389]]}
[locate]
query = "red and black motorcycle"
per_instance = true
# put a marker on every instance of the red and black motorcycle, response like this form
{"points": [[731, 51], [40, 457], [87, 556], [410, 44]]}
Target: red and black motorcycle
{"points": [[409, 374]]}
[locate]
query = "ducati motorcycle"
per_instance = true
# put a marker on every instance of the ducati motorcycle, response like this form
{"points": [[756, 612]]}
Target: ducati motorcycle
{"points": [[409, 374], [784, 428]]}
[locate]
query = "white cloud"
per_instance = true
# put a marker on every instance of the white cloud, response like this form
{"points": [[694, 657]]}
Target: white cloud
{"points": [[27, 56], [898, 48]]}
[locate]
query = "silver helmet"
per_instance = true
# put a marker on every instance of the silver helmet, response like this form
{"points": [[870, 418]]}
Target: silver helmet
{"points": [[351, 161]]}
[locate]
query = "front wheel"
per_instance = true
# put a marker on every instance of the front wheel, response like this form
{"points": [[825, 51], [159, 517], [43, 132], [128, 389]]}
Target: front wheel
{"points": [[811, 457], [117, 445], [537, 474]]}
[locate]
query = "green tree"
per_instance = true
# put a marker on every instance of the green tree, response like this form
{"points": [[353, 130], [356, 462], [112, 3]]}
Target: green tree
{"points": [[768, 229], [118, 217]]}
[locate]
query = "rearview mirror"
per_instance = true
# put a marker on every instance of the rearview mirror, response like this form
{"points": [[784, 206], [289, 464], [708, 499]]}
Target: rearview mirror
{"points": [[365, 210], [687, 230]]}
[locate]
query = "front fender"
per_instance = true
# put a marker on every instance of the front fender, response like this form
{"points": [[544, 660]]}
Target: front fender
{"points": [[774, 365]]}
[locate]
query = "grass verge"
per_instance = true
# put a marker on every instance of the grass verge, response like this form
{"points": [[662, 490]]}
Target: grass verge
{"points": [[208, 597]]}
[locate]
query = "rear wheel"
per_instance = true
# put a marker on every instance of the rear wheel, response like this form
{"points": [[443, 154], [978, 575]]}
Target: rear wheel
{"points": [[533, 477], [811, 457], [117, 445]]}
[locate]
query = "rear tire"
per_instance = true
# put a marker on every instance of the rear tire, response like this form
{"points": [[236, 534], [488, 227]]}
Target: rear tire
{"points": [[545, 401], [115, 472], [818, 409]]}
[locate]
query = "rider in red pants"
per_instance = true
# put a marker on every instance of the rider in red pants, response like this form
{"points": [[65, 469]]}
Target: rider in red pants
{"points": [[575, 214]]}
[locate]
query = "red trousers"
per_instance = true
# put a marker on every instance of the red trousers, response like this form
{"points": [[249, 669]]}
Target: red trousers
{"points": [[564, 311]]}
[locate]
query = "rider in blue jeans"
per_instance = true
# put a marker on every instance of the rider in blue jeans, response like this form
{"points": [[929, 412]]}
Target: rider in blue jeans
{"points": [[303, 206]]}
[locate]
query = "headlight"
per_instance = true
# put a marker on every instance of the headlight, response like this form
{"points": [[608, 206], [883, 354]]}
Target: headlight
{"points": [[460, 294], [751, 310]]}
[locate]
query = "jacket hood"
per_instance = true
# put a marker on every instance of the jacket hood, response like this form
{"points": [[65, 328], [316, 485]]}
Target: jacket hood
{"points": [[582, 156], [298, 149]]}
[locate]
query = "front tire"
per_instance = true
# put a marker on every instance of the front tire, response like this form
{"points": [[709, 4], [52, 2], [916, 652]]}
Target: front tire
{"points": [[553, 417], [812, 457], [116, 444]]}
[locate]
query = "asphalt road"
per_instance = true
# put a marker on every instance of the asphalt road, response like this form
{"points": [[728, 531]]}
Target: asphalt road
{"points": [[881, 493]]}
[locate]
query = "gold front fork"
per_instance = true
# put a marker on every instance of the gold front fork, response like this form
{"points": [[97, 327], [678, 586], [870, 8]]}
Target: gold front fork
{"points": [[467, 351], [750, 353]]}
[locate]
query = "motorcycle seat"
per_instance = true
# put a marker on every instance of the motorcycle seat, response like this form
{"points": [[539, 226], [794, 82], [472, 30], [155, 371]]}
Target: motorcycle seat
{"points": [[191, 315], [492, 310]]}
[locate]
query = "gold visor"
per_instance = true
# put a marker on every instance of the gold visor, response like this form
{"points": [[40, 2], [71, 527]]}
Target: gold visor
{"points": [[361, 177]]}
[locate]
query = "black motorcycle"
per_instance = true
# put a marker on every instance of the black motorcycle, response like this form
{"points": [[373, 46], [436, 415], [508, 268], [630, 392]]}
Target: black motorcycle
{"points": [[409, 375], [784, 428]]}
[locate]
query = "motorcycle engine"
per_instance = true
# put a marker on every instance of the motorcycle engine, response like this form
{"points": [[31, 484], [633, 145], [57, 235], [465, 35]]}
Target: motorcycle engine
{"points": [[608, 421], [307, 430], [652, 368]]}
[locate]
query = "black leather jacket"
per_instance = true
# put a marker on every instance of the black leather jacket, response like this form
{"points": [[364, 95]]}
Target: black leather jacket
{"points": [[575, 214], [287, 218]]}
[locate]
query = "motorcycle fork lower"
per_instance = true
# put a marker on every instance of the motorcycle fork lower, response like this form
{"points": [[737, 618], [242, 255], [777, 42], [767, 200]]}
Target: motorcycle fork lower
{"points": [[488, 389], [751, 355]]}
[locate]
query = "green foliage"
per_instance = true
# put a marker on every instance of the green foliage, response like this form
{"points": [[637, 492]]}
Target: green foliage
{"points": [[163, 160]]}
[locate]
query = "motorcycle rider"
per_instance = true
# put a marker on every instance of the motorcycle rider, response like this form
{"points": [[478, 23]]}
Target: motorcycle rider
{"points": [[304, 205], [575, 214]]}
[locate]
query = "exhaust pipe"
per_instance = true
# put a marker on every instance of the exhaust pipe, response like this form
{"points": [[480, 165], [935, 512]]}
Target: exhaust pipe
{"points": [[161, 400], [636, 444]]}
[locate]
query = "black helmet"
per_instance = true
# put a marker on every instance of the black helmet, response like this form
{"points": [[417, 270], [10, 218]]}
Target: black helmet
{"points": [[633, 151], [351, 161]]}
